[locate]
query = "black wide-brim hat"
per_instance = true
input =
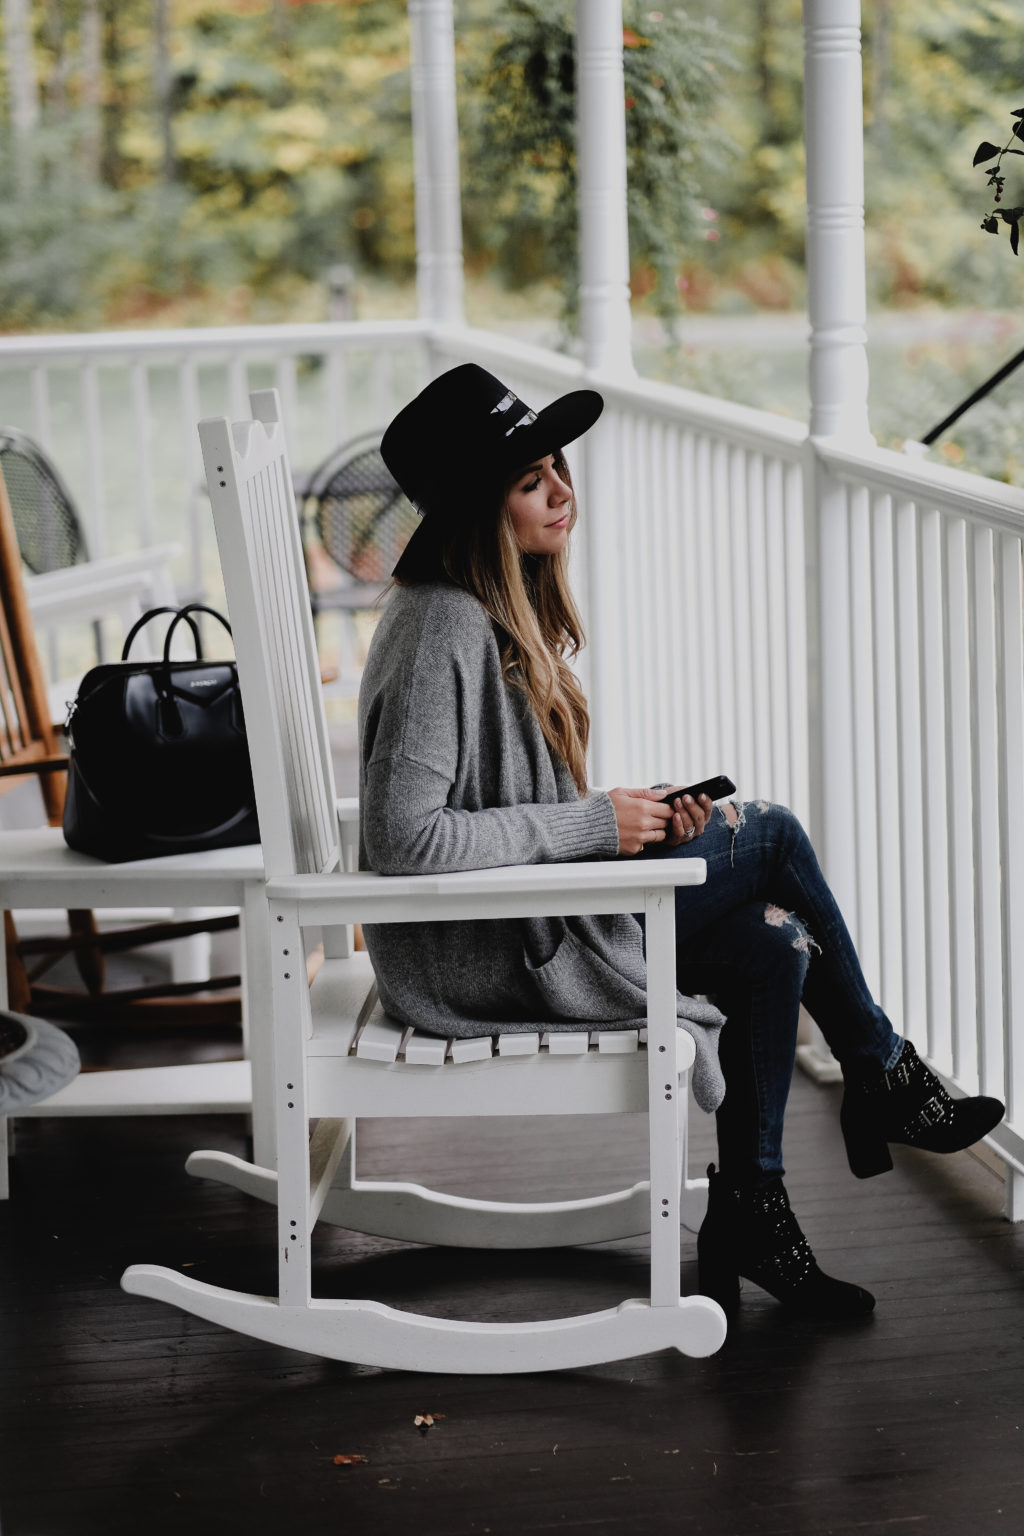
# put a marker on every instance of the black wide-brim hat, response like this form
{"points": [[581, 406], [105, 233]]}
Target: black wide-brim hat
{"points": [[466, 419]]}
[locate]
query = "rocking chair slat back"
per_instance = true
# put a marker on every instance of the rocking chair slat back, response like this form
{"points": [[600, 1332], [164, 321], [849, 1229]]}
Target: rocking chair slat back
{"points": [[26, 732], [257, 529]]}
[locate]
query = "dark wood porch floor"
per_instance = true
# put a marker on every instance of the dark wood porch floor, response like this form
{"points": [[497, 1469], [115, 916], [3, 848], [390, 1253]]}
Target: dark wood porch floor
{"points": [[122, 1416]]}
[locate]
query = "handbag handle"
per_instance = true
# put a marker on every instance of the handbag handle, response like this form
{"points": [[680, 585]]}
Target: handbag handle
{"points": [[152, 614], [186, 614]]}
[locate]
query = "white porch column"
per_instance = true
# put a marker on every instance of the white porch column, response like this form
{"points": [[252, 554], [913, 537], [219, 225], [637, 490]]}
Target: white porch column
{"points": [[604, 240], [606, 325], [605, 318], [834, 134], [838, 379], [435, 131]]}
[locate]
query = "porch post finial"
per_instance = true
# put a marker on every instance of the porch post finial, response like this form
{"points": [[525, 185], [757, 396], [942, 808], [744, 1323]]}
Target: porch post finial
{"points": [[605, 318], [834, 134], [435, 128]]}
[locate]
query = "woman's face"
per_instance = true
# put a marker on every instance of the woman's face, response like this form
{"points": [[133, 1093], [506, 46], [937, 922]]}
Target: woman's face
{"points": [[540, 506]]}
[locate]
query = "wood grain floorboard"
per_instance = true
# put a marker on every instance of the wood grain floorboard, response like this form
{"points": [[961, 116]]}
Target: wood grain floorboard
{"points": [[119, 1415]]}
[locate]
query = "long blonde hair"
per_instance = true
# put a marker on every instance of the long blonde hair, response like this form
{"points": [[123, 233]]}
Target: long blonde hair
{"points": [[530, 603]]}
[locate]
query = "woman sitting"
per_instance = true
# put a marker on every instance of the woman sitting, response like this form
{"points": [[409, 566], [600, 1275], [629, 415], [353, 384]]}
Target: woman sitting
{"points": [[473, 754]]}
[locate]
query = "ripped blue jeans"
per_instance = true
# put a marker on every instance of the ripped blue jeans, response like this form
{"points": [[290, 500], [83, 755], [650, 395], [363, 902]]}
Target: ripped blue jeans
{"points": [[761, 936]]}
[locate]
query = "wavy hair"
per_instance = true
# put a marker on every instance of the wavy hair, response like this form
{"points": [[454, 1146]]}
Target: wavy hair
{"points": [[527, 598]]}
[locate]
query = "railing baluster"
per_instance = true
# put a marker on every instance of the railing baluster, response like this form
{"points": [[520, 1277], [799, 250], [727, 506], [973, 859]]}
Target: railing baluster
{"points": [[694, 656], [760, 687], [700, 535], [337, 427], [958, 804], [937, 875], [727, 692], [737, 519], [633, 574], [1011, 836], [909, 785], [668, 675], [776, 659], [865, 808], [141, 419], [39, 387], [796, 646], [985, 739], [238, 386], [286, 381], [93, 437], [192, 465], [887, 756]]}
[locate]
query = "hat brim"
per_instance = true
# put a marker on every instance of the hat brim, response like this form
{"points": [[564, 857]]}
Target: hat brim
{"points": [[556, 426]]}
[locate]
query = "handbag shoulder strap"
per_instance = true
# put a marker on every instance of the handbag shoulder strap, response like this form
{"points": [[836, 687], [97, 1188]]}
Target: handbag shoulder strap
{"points": [[178, 613], [186, 614]]}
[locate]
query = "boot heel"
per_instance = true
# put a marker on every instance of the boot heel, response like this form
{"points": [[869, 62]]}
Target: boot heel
{"points": [[866, 1149], [719, 1281]]}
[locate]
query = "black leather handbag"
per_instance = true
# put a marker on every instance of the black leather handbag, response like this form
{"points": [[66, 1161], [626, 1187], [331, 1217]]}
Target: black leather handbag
{"points": [[159, 758]]}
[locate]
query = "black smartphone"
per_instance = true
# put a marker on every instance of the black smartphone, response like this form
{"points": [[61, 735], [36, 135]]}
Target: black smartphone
{"points": [[715, 789]]}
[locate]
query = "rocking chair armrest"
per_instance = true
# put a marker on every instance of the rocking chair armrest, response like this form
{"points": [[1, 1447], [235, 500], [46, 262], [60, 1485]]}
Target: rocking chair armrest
{"points": [[521, 890], [51, 764]]}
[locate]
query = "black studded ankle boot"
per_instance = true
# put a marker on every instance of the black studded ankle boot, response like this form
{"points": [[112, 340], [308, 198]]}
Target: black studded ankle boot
{"points": [[750, 1231], [909, 1105]]}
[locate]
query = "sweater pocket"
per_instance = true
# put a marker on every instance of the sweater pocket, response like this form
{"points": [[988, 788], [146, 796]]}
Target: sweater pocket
{"points": [[577, 983]]}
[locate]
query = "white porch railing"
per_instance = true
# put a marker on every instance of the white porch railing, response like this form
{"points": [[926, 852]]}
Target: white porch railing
{"points": [[922, 750], [118, 411], [840, 629]]}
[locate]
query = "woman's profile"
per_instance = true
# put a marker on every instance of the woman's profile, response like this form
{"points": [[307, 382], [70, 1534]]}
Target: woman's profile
{"points": [[473, 742]]}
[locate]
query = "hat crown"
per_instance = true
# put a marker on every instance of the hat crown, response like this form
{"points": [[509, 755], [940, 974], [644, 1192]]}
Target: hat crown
{"points": [[468, 418]]}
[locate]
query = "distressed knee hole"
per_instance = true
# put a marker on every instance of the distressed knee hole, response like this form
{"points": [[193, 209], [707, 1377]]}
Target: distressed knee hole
{"points": [[778, 917], [731, 813]]}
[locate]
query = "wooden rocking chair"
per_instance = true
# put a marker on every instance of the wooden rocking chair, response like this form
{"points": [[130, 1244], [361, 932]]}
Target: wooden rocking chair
{"points": [[38, 870], [337, 1057], [29, 746]]}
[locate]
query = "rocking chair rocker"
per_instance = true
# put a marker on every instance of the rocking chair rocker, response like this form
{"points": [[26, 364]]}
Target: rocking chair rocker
{"points": [[337, 1057]]}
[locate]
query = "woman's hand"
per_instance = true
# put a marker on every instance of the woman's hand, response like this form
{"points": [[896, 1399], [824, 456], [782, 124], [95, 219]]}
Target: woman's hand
{"points": [[689, 820], [642, 818]]}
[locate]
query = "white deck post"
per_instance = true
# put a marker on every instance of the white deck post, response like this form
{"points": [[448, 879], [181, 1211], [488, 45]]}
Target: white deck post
{"points": [[605, 317], [838, 380], [439, 272], [606, 325], [834, 133]]}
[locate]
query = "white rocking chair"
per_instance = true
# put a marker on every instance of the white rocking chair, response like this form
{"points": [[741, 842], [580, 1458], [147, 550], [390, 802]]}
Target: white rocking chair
{"points": [[338, 1057]]}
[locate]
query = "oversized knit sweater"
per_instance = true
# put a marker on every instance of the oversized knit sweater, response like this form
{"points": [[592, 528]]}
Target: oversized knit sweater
{"points": [[455, 773]]}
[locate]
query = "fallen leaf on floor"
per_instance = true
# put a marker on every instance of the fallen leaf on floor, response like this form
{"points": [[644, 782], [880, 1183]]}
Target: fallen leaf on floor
{"points": [[347, 1461], [423, 1421]]}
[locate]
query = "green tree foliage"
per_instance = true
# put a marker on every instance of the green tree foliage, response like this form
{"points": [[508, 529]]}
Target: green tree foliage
{"points": [[937, 75], [284, 147], [520, 137], [246, 145]]}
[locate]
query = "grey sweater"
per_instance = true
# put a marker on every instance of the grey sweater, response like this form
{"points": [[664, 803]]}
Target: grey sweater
{"points": [[455, 773]]}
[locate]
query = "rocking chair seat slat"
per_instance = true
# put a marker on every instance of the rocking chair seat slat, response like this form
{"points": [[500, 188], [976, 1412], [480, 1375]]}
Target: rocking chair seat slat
{"points": [[526, 1044], [479, 1048], [380, 1039], [425, 1050], [617, 1042], [565, 1042]]}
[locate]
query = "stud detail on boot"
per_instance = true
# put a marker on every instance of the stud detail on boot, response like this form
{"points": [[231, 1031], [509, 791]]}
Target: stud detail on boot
{"points": [[907, 1104], [750, 1231]]}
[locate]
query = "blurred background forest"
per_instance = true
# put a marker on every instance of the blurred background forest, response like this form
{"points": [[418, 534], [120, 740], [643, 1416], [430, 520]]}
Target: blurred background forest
{"points": [[184, 162]]}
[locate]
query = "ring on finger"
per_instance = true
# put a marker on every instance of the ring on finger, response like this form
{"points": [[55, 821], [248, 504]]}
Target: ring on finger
{"points": [[690, 832]]}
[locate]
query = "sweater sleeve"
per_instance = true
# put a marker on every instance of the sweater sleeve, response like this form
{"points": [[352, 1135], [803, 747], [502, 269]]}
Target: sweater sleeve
{"points": [[410, 829], [430, 685]]}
